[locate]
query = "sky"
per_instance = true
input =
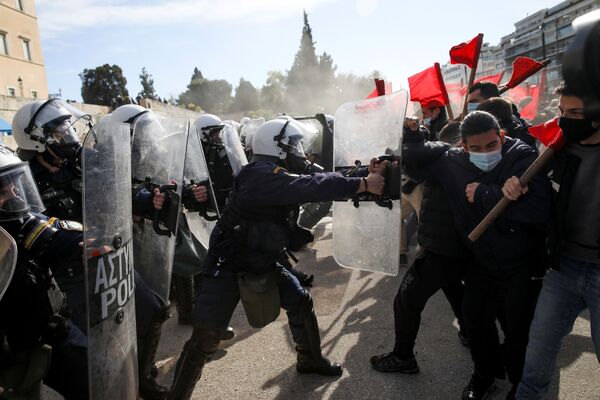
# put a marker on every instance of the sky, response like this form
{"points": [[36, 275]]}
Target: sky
{"points": [[231, 39]]}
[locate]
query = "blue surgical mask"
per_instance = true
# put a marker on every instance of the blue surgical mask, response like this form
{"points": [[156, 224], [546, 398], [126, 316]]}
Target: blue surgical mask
{"points": [[427, 121], [486, 161], [472, 107]]}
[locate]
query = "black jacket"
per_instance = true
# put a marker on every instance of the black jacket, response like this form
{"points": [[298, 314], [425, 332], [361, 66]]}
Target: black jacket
{"points": [[563, 175], [517, 237]]}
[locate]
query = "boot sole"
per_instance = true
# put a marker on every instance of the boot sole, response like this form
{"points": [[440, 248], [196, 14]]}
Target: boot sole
{"points": [[410, 371], [308, 370]]}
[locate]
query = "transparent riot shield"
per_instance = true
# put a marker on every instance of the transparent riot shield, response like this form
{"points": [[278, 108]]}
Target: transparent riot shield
{"points": [[367, 237], [195, 170], [233, 146], [109, 273], [8, 260], [158, 152]]}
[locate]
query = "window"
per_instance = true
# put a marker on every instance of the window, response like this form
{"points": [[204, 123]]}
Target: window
{"points": [[11, 91], [34, 94], [26, 49], [3, 47], [19, 5]]}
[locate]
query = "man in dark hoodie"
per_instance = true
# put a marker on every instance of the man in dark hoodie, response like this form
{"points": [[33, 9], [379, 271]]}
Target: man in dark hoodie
{"points": [[508, 257], [573, 284], [442, 266]]}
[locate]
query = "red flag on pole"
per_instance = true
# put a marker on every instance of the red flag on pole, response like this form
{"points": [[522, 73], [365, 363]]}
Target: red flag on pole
{"points": [[428, 88], [381, 88], [523, 67], [549, 134], [466, 52]]}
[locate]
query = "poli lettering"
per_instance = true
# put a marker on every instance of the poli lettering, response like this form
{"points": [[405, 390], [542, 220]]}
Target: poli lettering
{"points": [[113, 281]]}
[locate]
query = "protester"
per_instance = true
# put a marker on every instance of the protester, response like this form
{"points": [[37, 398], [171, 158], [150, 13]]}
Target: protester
{"points": [[442, 266], [500, 283], [573, 284]]}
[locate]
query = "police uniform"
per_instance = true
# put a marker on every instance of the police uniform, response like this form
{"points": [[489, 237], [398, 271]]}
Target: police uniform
{"points": [[33, 312], [249, 238]]}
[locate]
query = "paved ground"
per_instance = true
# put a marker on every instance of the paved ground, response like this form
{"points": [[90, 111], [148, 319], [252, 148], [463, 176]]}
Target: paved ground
{"points": [[355, 314]]}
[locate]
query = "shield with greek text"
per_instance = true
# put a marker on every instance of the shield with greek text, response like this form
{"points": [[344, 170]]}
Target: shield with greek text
{"points": [[109, 270]]}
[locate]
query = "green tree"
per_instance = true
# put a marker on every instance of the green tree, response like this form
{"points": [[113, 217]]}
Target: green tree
{"points": [[303, 78], [246, 97], [213, 96], [273, 91], [102, 84], [147, 83]]}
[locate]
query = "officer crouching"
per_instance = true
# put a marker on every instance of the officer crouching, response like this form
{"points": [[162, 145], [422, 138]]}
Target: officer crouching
{"points": [[247, 244]]}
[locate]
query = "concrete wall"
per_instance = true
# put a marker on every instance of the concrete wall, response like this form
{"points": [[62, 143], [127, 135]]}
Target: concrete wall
{"points": [[16, 26]]}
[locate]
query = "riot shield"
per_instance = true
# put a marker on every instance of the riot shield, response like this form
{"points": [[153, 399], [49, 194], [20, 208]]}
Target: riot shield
{"points": [[8, 260], [158, 152], [233, 146], [109, 274], [195, 170], [367, 237]]}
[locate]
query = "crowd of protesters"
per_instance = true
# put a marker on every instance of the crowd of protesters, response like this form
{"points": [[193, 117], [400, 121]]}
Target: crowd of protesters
{"points": [[535, 269]]}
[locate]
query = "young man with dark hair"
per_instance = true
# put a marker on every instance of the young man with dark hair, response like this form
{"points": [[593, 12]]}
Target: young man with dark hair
{"points": [[502, 109], [441, 266], [573, 284], [479, 92], [499, 283]]}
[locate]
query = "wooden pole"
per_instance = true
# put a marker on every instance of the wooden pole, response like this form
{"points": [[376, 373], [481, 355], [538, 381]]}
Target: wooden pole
{"points": [[527, 176], [473, 72], [444, 91]]}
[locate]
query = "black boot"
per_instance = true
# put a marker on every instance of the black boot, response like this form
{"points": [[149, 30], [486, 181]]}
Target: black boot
{"points": [[479, 387], [196, 352], [310, 358], [184, 291], [149, 388], [391, 362], [228, 334]]}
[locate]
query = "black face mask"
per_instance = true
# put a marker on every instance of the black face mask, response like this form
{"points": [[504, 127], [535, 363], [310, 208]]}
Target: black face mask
{"points": [[576, 130]]}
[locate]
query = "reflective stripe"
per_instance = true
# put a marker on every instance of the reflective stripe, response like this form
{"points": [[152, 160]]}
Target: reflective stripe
{"points": [[29, 240]]}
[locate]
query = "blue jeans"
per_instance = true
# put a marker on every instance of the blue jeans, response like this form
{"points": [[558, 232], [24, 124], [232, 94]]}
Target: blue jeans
{"points": [[565, 294]]}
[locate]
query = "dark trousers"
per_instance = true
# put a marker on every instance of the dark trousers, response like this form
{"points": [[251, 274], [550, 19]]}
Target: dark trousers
{"points": [[508, 297], [219, 295], [428, 274]]}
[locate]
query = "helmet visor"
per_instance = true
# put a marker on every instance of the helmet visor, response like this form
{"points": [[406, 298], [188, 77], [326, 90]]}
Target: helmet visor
{"points": [[18, 193]]}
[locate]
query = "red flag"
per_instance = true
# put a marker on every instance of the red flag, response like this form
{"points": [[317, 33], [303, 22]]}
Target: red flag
{"points": [[519, 92], [381, 89], [523, 68], [467, 52], [531, 110], [549, 134], [427, 87]]}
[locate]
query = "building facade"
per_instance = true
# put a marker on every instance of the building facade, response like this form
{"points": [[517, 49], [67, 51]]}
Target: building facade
{"points": [[546, 34], [22, 71]]}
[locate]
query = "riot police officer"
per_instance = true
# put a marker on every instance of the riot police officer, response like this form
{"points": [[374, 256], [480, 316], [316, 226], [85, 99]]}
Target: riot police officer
{"points": [[46, 138], [39, 335], [245, 248]]}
